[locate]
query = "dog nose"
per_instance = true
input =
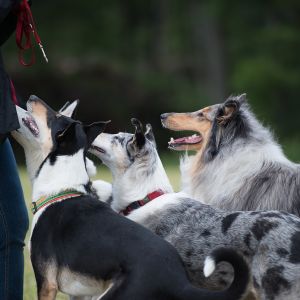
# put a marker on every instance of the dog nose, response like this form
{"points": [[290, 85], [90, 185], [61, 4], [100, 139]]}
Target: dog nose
{"points": [[164, 116], [33, 98]]}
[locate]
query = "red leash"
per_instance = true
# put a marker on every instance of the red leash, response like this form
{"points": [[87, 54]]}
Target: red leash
{"points": [[26, 27]]}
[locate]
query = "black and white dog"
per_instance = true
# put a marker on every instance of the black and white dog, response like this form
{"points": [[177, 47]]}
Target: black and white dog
{"points": [[269, 239], [238, 165], [102, 189], [78, 244]]}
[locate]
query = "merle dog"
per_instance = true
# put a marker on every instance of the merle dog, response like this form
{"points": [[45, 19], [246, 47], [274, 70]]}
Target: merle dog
{"points": [[270, 240], [238, 165]]}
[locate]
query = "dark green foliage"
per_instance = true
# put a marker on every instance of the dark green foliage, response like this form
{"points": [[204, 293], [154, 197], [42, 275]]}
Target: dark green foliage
{"points": [[135, 58]]}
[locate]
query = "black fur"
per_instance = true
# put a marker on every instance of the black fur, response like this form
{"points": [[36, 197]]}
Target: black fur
{"points": [[273, 282], [247, 240], [56, 125], [295, 248], [224, 133], [228, 220], [261, 227], [282, 252], [89, 238], [206, 233]]}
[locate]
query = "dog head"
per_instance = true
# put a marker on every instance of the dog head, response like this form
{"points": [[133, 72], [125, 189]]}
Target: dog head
{"points": [[65, 167], [206, 123], [39, 125], [75, 137], [39, 130], [120, 151]]}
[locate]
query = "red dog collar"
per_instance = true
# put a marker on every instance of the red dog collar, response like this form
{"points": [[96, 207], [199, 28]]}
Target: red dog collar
{"points": [[137, 204]]}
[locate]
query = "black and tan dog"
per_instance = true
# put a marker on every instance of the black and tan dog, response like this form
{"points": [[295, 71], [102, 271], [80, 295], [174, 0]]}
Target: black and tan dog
{"points": [[78, 244]]}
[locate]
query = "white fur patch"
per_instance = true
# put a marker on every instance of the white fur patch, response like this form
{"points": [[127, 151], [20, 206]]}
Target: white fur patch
{"points": [[68, 172], [209, 266], [69, 109], [90, 167], [103, 189], [77, 284]]}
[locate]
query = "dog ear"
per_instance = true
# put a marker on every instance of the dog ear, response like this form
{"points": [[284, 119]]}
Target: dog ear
{"points": [[230, 108], [93, 130], [149, 133], [242, 98], [139, 138], [67, 135], [69, 109]]}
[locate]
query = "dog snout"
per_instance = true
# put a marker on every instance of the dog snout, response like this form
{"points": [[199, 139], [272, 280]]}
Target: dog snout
{"points": [[32, 102], [34, 98], [164, 117]]}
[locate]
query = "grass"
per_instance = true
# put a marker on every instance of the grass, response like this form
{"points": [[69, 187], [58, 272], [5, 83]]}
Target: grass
{"points": [[103, 173]]}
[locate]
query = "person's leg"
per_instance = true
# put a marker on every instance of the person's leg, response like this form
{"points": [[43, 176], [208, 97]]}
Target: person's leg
{"points": [[13, 227]]}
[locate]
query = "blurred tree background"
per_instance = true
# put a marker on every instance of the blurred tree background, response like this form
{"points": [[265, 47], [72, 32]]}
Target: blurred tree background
{"points": [[143, 58]]}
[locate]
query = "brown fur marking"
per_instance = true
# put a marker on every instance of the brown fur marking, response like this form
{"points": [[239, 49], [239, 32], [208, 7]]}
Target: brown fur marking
{"points": [[48, 291], [39, 112], [194, 122]]}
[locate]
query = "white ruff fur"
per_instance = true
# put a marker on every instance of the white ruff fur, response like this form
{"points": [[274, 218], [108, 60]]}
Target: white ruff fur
{"points": [[133, 184], [226, 174], [68, 172]]}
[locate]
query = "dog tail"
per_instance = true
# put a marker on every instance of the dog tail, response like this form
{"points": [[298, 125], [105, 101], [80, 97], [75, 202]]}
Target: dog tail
{"points": [[238, 287]]}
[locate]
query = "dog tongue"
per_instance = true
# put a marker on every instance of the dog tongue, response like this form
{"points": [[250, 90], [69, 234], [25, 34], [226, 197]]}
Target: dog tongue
{"points": [[30, 123], [194, 139]]}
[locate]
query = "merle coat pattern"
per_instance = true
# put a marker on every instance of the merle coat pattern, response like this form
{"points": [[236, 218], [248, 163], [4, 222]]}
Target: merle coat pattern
{"points": [[270, 240]]}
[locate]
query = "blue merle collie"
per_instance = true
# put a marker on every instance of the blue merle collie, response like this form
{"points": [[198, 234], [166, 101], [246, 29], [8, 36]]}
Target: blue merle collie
{"points": [[82, 247], [270, 240], [238, 165]]}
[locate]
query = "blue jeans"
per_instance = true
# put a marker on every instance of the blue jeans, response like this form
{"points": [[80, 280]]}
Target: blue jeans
{"points": [[13, 226]]}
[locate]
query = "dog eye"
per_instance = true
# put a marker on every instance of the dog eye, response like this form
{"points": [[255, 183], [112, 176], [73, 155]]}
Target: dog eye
{"points": [[119, 139], [200, 114]]}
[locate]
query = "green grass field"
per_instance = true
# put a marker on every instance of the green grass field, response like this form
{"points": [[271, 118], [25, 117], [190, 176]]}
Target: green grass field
{"points": [[103, 173]]}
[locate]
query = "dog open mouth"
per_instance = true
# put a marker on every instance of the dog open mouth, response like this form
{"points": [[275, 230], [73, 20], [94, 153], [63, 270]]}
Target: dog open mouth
{"points": [[97, 149], [30, 123], [184, 142]]}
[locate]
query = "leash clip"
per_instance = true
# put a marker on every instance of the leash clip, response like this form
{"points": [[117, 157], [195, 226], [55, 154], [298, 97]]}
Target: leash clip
{"points": [[44, 53]]}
